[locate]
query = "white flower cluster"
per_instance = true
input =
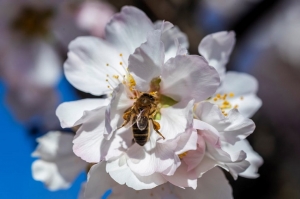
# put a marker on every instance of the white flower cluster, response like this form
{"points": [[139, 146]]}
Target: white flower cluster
{"points": [[169, 122]]}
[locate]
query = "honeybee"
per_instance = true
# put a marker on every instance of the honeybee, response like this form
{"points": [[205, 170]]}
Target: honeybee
{"points": [[141, 113]]}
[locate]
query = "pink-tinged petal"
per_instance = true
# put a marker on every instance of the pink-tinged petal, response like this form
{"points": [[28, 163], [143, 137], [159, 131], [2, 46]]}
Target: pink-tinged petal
{"points": [[89, 136], [70, 113], [176, 119], [194, 157], [205, 165], [186, 141], [208, 132], [146, 61], [93, 16], [235, 161], [188, 77], [93, 64], [212, 185], [216, 49], [232, 128], [182, 178], [120, 102], [174, 40], [244, 88], [57, 166], [121, 173], [164, 26], [253, 158], [128, 29]]}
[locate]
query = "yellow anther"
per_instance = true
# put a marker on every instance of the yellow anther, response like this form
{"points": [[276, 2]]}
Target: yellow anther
{"points": [[108, 86], [226, 103], [225, 106], [116, 76], [236, 106], [218, 95], [121, 63], [107, 64], [242, 98], [121, 54], [224, 96], [107, 75], [215, 99], [231, 94], [131, 82], [225, 114], [182, 155]]}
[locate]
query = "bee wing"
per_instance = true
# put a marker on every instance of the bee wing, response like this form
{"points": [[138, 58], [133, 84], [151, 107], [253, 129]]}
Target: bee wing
{"points": [[142, 122]]}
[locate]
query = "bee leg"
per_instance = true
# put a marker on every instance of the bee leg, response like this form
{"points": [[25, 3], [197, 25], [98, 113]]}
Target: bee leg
{"points": [[156, 127], [133, 141], [126, 117]]}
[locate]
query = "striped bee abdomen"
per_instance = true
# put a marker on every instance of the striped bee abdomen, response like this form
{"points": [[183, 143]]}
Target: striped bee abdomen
{"points": [[140, 136]]}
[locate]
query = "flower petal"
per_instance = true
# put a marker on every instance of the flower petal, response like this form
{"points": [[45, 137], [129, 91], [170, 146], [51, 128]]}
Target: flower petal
{"points": [[255, 160], [194, 157], [92, 64], [182, 178], [172, 38], [121, 173], [235, 161], [212, 185], [232, 128], [70, 113], [58, 166], [216, 49], [119, 103], [145, 63], [244, 88], [90, 135], [188, 77], [128, 29], [53, 144], [98, 182], [176, 119], [208, 132]]}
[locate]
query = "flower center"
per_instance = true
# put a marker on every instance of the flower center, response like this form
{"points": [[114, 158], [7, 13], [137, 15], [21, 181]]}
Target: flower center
{"points": [[33, 22], [223, 101]]}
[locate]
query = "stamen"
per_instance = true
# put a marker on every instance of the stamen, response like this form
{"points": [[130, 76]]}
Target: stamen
{"points": [[182, 155], [231, 94], [110, 85], [118, 72], [242, 98]]}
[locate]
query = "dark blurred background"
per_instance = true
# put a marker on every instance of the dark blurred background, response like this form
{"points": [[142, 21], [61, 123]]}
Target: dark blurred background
{"points": [[268, 47]]}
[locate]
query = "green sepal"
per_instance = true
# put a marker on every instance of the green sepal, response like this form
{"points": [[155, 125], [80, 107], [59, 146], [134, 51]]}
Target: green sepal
{"points": [[166, 101]]}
